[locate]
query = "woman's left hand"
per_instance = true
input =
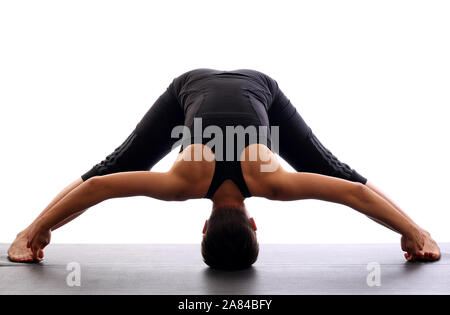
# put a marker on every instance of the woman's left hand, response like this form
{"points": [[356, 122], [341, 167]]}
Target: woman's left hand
{"points": [[38, 237]]}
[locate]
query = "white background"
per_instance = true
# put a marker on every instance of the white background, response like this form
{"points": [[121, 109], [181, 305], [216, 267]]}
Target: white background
{"points": [[370, 77]]}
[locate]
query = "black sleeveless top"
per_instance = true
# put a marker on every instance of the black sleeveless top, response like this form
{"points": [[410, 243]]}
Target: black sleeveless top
{"points": [[227, 105]]}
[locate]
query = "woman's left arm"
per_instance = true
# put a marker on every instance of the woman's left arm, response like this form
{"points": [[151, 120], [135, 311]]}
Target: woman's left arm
{"points": [[169, 186]]}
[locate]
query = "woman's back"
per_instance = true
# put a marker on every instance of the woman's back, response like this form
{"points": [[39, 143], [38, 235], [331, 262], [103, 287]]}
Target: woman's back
{"points": [[210, 93], [226, 111]]}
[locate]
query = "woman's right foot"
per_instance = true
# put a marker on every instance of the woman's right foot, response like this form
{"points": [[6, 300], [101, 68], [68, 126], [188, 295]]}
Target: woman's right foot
{"points": [[429, 252], [18, 251]]}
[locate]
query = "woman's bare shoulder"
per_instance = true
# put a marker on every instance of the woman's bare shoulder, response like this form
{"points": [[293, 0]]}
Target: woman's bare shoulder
{"points": [[258, 164], [196, 164]]}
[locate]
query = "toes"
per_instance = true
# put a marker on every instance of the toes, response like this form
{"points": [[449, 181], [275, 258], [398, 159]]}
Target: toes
{"points": [[409, 257], [428, 256], [422, 256], [433, 256]]}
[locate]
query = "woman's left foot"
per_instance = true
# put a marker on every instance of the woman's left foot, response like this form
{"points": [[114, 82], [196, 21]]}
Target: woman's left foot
{"points": [[18, 251]]}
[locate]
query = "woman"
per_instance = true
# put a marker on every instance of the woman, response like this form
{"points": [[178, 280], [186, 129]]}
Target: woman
{"points": [[231, 123]]}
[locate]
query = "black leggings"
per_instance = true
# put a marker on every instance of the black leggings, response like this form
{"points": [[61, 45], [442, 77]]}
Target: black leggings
{"points": [[151, 140]]}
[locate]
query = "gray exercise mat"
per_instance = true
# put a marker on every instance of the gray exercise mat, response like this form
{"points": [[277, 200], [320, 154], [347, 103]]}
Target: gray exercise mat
{"points": [[179, 269]]}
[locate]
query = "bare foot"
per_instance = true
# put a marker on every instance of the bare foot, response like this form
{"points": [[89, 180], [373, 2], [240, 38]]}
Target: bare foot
{"points": [[429, 252], [18, 251]]}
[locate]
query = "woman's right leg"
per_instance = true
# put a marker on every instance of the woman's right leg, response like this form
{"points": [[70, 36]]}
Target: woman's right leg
{"points": [[148, 143], [305, 153], [300, 147]]}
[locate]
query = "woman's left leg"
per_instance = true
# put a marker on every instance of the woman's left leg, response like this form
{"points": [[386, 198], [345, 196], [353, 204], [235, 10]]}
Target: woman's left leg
{"points": [[150, 141]]}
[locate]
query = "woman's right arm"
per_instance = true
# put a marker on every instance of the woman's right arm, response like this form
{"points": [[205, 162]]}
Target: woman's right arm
{"points": [[283, 185]]}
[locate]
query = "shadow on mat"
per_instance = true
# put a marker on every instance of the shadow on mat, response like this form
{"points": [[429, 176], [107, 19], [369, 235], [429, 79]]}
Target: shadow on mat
{"points": [[230, 282]]}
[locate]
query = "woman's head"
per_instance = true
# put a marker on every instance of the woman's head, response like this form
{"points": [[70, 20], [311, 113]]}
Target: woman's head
{"points": [[229, 239]]}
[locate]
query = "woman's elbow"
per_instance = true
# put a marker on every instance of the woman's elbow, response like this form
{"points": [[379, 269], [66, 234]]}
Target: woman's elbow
{"points": [[359, 195], [96, 186]]}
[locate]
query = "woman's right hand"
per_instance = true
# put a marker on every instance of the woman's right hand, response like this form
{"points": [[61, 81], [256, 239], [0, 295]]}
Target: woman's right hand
{"points": [[413, 245]]}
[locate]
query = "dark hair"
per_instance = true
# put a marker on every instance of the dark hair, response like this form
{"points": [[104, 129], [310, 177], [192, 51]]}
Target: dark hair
{"points": [[230, 241]]}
